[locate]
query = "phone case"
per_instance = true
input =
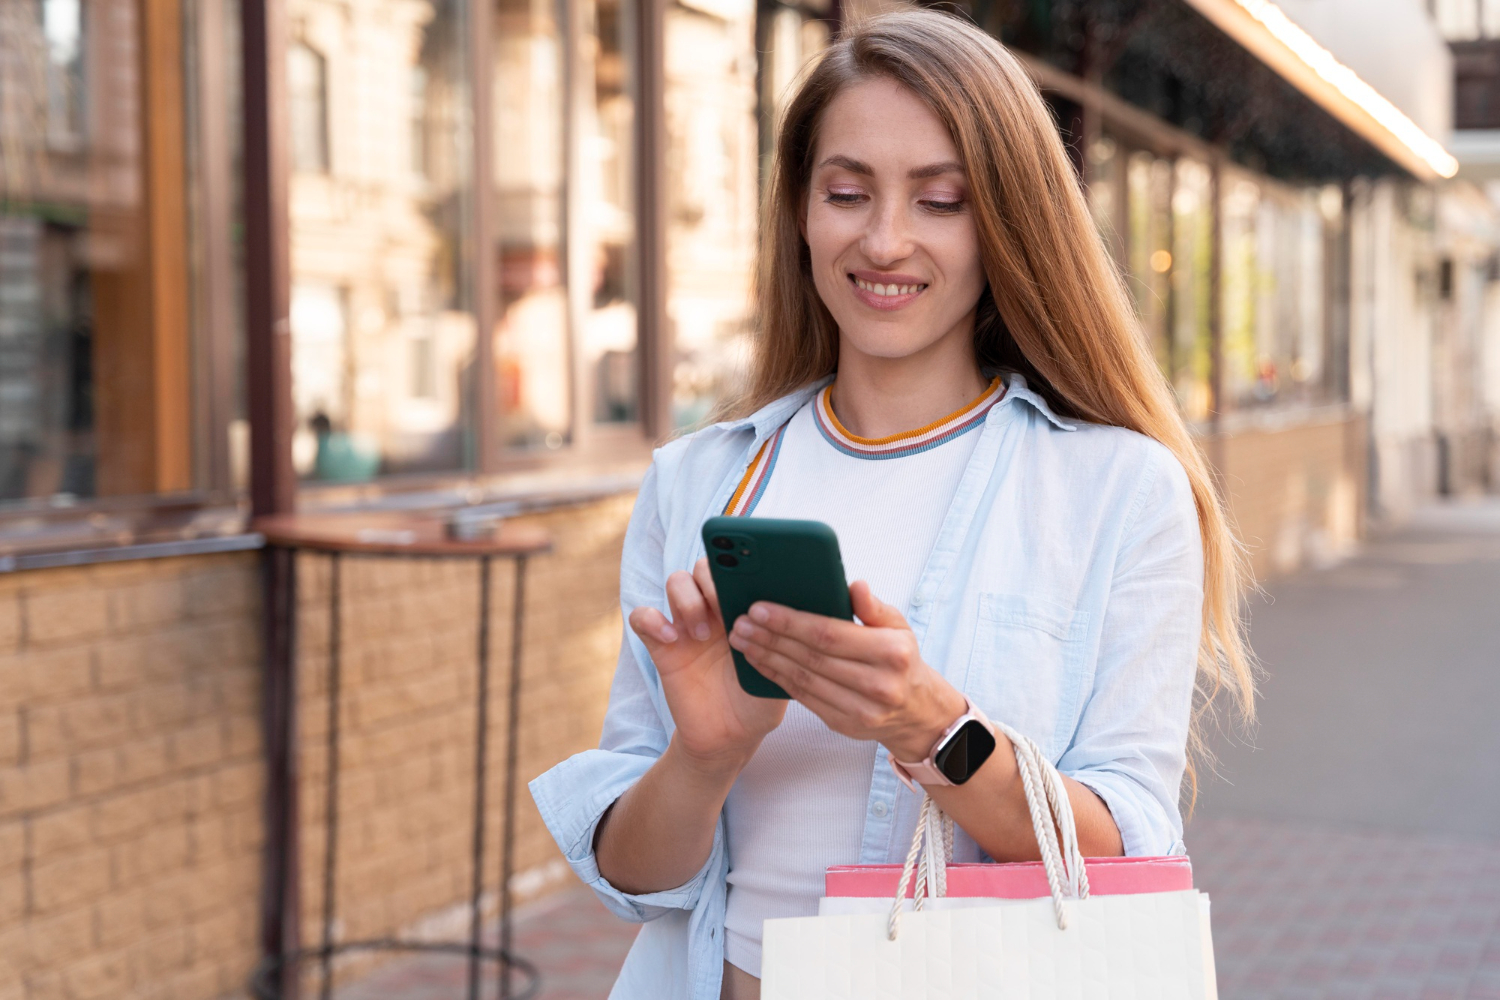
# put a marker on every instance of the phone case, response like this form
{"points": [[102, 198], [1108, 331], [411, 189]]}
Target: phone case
{"points": [[795, 563]]}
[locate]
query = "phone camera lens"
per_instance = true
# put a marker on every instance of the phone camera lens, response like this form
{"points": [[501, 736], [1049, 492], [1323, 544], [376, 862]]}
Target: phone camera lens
{"points": [[726, 560], [723, 543]]}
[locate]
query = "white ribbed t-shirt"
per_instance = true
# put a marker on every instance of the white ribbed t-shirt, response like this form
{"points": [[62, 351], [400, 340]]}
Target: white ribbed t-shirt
{"points": [[799, 805]]}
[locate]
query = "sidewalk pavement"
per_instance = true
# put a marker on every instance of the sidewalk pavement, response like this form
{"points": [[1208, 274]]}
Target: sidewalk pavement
{"points": [[1351, 850], [575, 943]]}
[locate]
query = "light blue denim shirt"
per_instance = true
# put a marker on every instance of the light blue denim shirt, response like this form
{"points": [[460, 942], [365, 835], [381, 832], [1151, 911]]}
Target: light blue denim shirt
{"points": [[1063, 595]]}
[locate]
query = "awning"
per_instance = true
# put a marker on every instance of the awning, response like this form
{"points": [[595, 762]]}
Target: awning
{"points": [[1273, 38]]}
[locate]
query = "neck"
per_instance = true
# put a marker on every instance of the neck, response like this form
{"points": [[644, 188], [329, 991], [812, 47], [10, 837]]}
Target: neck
{"points": [[877, 397]]}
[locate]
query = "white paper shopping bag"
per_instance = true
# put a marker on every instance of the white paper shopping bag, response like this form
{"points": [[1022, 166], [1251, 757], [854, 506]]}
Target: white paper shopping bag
{"points": [[1143, 947], [1067, 945]]}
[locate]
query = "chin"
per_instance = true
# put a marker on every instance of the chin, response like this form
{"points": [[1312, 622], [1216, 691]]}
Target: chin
{"points": [[891, 346]]}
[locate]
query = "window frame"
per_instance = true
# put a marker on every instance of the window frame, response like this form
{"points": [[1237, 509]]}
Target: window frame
{"points": [[1132, 128], [591, 445], [198, 91], [243, 291]]}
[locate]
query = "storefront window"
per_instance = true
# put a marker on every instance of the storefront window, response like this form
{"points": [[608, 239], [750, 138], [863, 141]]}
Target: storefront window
{"points": [[713, 194], [382, 329], [1105, 196], [604, 237], [1149, 186], [532, 358], [1191, 355], [1275, 286], [99, 250], [790, 36]]}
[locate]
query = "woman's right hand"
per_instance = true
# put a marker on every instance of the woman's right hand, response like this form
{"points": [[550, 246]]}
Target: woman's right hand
{"points": [[718, 724]]}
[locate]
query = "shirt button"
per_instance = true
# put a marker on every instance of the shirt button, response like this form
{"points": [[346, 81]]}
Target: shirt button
{"points": [[880, 809], [917, 600]]}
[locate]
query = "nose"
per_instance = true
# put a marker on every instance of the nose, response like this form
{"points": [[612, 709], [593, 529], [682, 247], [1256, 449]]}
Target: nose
{"points": [[887, 238]]}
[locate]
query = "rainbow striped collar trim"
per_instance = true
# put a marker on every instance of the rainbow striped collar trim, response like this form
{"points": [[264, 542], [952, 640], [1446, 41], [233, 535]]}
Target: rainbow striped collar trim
{"points": [[753, 484], [909, 442]]}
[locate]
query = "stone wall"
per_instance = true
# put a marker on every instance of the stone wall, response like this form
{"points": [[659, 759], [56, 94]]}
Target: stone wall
{"points": [[1296, 493], [130, 779]]}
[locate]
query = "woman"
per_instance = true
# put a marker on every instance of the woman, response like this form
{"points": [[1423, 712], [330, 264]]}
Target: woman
{"points": [[949, 374]]}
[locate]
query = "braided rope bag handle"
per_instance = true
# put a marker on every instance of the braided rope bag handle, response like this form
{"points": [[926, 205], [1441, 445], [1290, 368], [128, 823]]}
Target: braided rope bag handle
{"points": [[1051, 821]]}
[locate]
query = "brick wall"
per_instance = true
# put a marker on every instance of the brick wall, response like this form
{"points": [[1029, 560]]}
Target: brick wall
{"points": [[131, 774], [130, 779], [1296, 493]]}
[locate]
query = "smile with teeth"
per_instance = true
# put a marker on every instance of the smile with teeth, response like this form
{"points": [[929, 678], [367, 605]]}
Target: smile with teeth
{"points": [[879, 289]]}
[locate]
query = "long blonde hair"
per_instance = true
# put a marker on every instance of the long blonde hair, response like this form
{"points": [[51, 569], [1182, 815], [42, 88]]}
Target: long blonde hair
{"points": [[1055, 309]]}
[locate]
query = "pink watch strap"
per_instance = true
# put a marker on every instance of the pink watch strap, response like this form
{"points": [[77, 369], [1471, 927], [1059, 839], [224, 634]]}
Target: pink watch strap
{"points": [[925, 772]]}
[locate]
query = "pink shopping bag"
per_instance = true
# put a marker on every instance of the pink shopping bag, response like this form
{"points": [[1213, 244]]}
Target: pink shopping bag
{"points": [[1018, 880]]}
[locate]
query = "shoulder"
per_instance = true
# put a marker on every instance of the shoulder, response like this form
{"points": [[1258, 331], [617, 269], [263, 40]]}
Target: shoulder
{"points": [[1110, 474], [700, 459], [1110, 463], [686, 474], [689, 460], [1092, 451], [1151, 465]]}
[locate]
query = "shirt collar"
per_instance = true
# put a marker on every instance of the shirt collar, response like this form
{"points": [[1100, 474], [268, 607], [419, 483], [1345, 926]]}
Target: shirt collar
{"points": [[1017, 389], [765, 420]]}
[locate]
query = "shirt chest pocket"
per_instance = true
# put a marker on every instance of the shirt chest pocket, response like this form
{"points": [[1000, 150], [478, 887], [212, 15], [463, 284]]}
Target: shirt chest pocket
{"points": [[1028, 665]]}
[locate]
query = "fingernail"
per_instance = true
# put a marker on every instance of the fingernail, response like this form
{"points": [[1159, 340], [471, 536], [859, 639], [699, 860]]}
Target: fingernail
{"points": [[700, 632], [759, 612], [742, 627], [668, 634]]}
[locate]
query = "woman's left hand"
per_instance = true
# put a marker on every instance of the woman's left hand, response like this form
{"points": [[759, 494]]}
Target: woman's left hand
{"points": [[867, 681]]}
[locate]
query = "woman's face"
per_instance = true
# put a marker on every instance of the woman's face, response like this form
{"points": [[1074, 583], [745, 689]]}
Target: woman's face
{"points": [[895, 252]]}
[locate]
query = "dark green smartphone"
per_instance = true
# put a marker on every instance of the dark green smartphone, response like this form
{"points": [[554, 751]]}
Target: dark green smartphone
{"points": [[795, 563]]}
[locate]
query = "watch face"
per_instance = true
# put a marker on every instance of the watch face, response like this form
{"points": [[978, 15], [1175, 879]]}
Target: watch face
{"points": [[965, 751]]}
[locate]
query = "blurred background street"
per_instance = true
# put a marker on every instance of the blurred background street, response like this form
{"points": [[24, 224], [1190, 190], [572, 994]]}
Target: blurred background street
{"points": [[335, 338], [1361, 858]]}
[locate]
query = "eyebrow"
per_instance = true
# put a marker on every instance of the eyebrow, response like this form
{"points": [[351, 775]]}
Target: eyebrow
{"points": [[916, 173]]}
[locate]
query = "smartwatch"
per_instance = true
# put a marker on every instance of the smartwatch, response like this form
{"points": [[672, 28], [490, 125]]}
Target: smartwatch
{"points": [[958, 753]]}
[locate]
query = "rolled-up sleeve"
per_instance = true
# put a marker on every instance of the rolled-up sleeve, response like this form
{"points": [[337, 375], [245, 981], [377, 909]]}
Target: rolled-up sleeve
{"points": [[1130, 744], [574, 796]]}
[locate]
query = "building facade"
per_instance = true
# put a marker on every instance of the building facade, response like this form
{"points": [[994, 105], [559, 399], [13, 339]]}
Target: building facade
{"points": [[417, 255]]}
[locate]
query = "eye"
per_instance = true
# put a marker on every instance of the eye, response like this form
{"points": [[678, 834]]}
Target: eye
{"points": [[843, 197], [943, 206]]}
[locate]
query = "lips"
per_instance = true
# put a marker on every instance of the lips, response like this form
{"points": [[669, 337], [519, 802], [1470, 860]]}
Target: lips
{"points": [[886, 291]]}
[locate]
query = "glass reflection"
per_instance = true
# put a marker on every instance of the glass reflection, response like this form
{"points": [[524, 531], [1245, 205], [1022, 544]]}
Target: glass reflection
{"points": [[1191, 361], [382, 334], [531, 344], [98, 251], [604, 230], [713, 190], [1275, 291], [1149, 186]]}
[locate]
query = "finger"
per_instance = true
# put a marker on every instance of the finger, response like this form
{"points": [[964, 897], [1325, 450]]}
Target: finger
{"points": [[880, 687], [705, 580], [652, 626], [833, 636], [873, 611], [689, 610], [809, 686]]}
